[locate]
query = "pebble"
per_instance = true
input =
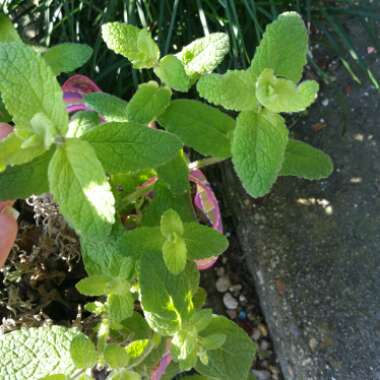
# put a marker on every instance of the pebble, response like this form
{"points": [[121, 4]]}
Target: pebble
{"points": [[220, 271], [243, 299], [232, 314], [230, 302], [263, 329], [264, 345], [261, 375], [256, 334], [222, 284], [313, 343]]}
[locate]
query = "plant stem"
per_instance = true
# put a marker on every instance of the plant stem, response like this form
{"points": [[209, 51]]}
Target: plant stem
{"points": [[205, 162]]}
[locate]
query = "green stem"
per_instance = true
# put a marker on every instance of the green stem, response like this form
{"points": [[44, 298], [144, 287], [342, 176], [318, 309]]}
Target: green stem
{"points": [[205, 162]]}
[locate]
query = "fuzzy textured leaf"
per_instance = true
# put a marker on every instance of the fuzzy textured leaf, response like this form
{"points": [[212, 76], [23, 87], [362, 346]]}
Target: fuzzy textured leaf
{"points": [[202, 127], [27, 179], [227, 362], [67, 57], [123, 147], [149, 102], [283, 48], [282, 95], [37, 88], [133, 43], [303, 160], [80, 187], [258, 150], [172, 72], [81, 122], [109, 106], [204, 54], [234, 90], [34, 353], [203, 241]]}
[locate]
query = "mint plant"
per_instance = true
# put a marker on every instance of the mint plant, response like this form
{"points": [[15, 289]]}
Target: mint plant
{"points": [[121, 178]]}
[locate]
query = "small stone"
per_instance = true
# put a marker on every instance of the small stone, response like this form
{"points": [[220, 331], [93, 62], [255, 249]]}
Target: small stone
{"points": [[313, 343], [222, 284], [263, 329], [256, 334], [243, 299], [264, 345], [236, 288], [220, 271], [261, 375], [230, 301], [325, 102], [232, 314]]}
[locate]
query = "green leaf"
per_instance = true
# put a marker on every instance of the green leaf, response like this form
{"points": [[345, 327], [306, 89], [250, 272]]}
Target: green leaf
{"points": [[171, 223], [175, 254], [110, 106], [175, 174], [133, 43], [67, 57], [234, 90], [203, 241], [203, 128], [37, 88], [303, 160], [5, 117], [96, 285], [137, 348], [228, 362], [25, 180], [201, 319], [120, 307], [81, 122], [258, 150], [283, 48], [34, 353], [55, 377], [12, 151], [123, 147], [83, 352], [163, 200], [8, 32], [213, 341], [137, 327], [80, 187], [125, 375], [149, 102], [203, 55], [281, 95], [116, 356], [169, 301], [172, 72]]}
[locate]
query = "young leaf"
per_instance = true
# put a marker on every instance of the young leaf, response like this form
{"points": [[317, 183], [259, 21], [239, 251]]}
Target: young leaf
{"points": [[116, 356], [171, 223], [23, 349], [133, 43], [120, 306], [148, 103], [172, 72], [171, 295], [14, 152], [203, 128], [123, 147], [282, 95], [201, 319], [258, 150], [125, 375], [203, 55], [283, 48], [226, 363], [303, 160], [81, 122], [203, 241], [109, 106], [94, 285], [67, 57], [137, 348], [83, 352], [213, 341], [27, 179], [37, 88], [175, 254], [175, 174], [8, 32], [79, 185], [234, 90]]}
